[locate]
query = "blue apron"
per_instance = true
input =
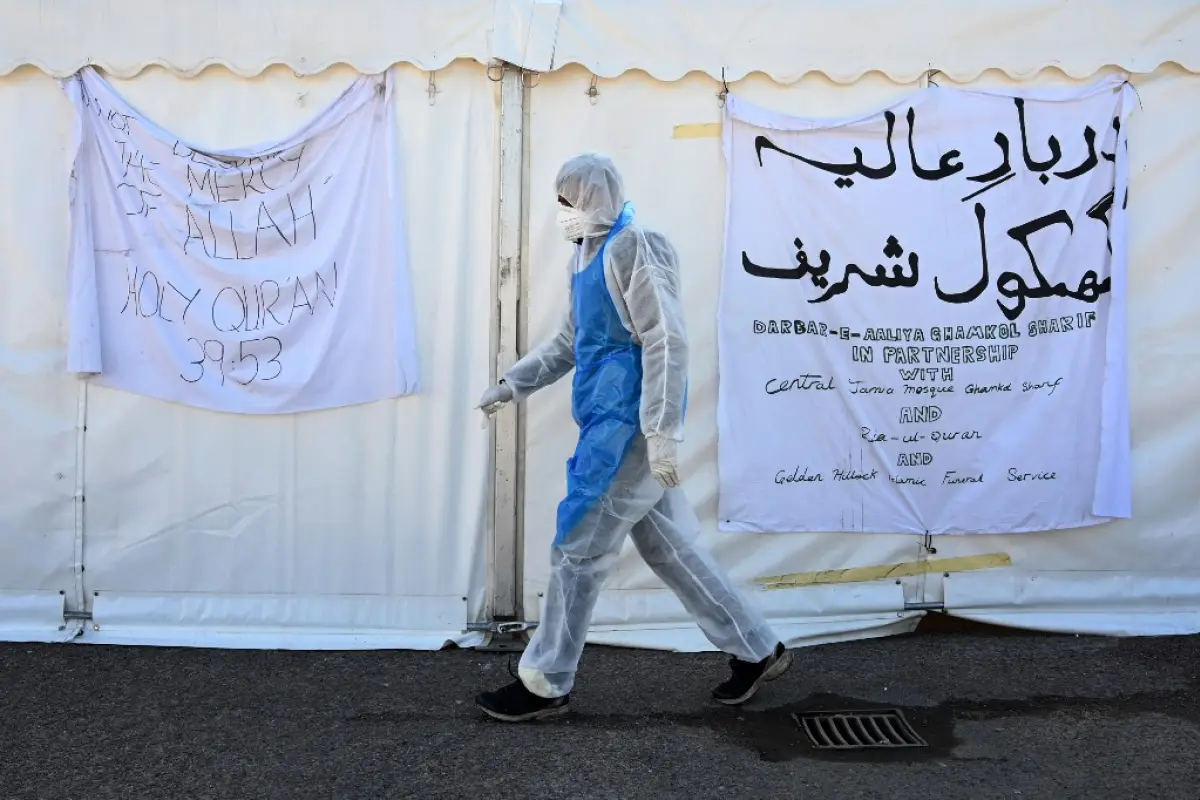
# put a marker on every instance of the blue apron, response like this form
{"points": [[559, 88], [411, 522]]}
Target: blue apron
{"points": [[607, 389]]}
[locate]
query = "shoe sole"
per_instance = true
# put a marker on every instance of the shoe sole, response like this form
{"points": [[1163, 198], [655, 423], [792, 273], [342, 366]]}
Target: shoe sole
{"points": [[769, 674], [532, 716]]}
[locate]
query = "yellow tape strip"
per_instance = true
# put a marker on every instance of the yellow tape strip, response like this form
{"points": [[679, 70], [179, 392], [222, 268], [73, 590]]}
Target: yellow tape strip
{"points": [[902, 570], [698, 130]]}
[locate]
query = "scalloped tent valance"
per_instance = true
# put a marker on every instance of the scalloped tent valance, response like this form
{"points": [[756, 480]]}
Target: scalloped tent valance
{"points": [[785, 39]]}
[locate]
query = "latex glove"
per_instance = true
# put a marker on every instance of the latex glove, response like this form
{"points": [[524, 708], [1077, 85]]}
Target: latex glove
{"points": [[664, 460], [495, 398]]}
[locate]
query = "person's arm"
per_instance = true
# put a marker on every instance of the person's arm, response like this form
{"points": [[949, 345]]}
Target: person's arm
{"points": [[646, 269], [545, 364]]}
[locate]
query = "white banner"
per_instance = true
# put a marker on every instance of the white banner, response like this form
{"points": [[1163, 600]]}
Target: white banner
{"points": [[922, 317], [264, 280]]}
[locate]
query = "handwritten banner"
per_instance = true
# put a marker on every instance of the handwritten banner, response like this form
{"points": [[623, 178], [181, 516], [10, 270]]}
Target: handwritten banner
{"points": [[922, 320], [266, 280]]}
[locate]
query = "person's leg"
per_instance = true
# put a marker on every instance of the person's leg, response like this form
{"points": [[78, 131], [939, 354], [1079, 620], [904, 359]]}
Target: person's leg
{"points": [[579, 564], [665, 538]]}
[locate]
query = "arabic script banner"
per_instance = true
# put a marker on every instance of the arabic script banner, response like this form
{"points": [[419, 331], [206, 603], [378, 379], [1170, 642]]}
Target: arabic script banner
{"points": [[922, 325]]}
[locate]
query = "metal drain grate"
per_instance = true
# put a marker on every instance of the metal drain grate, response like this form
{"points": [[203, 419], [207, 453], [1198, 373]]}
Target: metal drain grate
{"points": [[858, 730]]}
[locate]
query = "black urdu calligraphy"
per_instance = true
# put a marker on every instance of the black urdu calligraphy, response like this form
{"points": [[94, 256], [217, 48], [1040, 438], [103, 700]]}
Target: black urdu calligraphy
{"points": [[1089, 163], [1005, 167], [946, 167], [1111, 158], [1004, 171], [879, 277], [802, 269], [843, 171], [1013, 286], [1116, 124], [973, 293], [1100, 213], [1055, 149]]}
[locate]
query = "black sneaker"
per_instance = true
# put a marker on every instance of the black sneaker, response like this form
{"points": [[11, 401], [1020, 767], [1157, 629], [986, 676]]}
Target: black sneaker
{"points": [[515, 703], [748, 676]]}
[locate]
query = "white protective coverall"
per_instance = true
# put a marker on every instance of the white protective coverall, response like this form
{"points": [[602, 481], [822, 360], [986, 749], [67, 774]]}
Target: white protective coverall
{"points": [[641, 276]]}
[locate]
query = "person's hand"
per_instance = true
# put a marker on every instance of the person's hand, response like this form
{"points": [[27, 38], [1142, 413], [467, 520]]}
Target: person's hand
{"points": [[664, 460], [495, 398]]}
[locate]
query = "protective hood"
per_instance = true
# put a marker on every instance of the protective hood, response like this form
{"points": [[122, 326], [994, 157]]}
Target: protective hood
{"points": [[592, 185]]}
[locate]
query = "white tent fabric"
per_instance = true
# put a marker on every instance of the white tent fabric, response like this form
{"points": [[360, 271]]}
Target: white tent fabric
{"points": [[39, 401], [1139, 576], [364, 527], [1134, 576], [352, 527], [786, 39], [123, 37]]}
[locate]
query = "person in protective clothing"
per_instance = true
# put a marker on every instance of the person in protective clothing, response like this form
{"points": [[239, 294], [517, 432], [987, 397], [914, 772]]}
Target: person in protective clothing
{"points": [[624, 338]]}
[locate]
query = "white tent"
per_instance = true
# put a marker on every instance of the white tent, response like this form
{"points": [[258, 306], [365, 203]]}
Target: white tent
{"points": [[403, 523]]}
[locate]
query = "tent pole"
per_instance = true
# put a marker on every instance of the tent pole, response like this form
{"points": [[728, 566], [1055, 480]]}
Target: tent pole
{"points": [[504, 552]]}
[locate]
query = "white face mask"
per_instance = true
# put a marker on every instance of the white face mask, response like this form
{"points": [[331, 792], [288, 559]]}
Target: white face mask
{"points": [[571, 223]]}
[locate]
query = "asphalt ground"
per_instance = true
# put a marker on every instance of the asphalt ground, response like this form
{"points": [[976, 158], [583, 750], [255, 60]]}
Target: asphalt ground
{"points": [[1004, 715]]}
